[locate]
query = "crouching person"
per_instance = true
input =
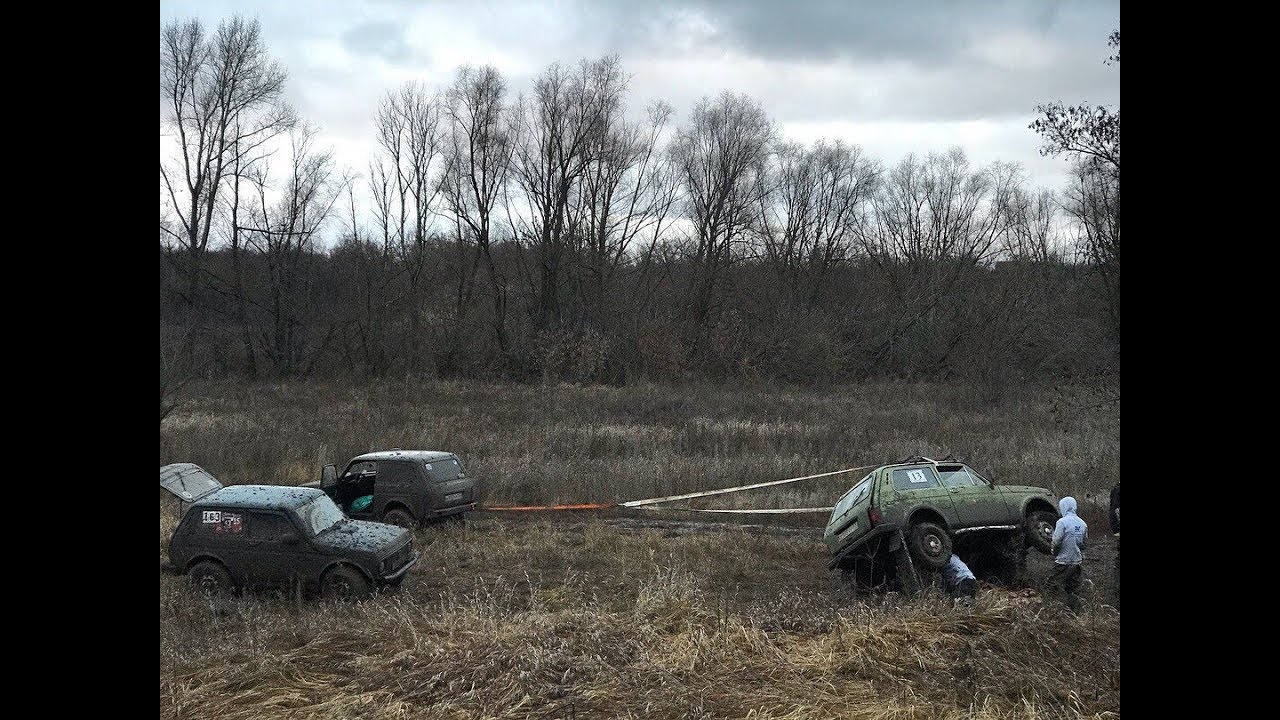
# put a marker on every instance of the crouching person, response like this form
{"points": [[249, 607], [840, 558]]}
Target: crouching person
{"points": [[960, 581], [1070, 535]]}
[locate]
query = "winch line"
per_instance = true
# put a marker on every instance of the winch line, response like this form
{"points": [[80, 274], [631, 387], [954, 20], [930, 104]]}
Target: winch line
{"points": [[740, 488], [766, 511], [647, 502]]}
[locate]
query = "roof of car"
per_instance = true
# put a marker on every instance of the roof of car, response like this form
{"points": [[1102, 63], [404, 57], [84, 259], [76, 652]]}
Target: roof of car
{"points": [[261, 497], [424, 455]]}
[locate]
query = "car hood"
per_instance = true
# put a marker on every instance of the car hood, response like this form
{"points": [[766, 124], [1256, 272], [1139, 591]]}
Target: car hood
{"points": [[363, 536]]}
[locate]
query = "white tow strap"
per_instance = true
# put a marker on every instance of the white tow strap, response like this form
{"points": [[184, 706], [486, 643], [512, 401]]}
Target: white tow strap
{"points": [[739, 488]]}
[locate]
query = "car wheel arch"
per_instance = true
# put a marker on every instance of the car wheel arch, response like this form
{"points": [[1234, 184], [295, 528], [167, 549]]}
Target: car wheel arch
{"points": [[206, 557], [1037, 503], [924, 513], [346, 563], [397, 504]]}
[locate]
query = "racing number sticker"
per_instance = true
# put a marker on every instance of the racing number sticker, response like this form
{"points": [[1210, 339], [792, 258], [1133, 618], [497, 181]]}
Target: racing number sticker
{"points": [[211, 516], [231, 524], [917, 476]]}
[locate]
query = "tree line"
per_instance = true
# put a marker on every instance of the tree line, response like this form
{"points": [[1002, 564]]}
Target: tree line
{"points": [[554, 233]]}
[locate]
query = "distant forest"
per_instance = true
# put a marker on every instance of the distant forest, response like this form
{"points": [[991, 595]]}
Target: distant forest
{"points": [[555, 233]]}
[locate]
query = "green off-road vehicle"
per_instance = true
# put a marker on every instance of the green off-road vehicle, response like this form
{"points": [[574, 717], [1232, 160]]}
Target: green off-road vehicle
{"points": [[913, 515]]}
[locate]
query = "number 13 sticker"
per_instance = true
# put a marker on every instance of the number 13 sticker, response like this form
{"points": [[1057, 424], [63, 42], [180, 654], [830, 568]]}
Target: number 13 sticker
{"points": [[917, 476]]}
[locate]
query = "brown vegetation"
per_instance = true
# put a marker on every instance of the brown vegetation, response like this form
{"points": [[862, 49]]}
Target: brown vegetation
{"points": [[531, 618]]}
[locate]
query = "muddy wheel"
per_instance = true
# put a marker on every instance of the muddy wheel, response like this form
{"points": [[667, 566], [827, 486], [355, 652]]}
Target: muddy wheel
{"points": [[401, 517], [1039, 527], [930, 545], [212, 580], [344, 583]]}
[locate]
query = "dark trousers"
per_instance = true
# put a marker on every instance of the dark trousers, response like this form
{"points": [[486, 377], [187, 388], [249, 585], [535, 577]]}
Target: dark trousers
{"points": [[1064, 583]]}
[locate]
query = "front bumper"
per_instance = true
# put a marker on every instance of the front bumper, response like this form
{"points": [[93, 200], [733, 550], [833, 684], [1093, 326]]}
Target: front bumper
{"points": [[879, 530], [402, 569]]}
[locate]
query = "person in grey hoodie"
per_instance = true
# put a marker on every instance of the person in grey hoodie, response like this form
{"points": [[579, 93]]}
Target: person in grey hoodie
{"points": [[959, 578], [1070, 535]]}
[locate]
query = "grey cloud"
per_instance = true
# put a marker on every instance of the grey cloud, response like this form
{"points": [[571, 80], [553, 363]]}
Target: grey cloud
{"points": [[915, 32], [379, 39]]}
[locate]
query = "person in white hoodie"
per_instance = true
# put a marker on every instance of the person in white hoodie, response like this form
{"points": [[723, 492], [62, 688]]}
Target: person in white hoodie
{"points": [[959, 578], [1070, 535]]}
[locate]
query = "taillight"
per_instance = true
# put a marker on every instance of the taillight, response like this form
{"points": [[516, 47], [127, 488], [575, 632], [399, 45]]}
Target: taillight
{"points": [[874, 515]]}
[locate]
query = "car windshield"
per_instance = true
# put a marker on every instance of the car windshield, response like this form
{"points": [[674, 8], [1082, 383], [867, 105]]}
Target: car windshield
{"points": [[853, 497], [320, 515]]}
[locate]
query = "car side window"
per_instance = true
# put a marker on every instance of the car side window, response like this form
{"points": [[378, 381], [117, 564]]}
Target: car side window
{"points": [[222, 524], [368, 467], [921, 478], [269, 526], [957, 476], [397, 473]]}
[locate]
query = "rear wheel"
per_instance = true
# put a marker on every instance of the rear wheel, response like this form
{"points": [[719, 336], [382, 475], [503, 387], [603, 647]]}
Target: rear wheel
{"points": [[212, 580], [344, 583], [1039, 527], [930, 545], [401, 517]]}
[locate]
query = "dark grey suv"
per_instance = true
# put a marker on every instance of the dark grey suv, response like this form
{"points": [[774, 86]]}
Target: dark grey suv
{"points": [[269, 535], [402, 487]]}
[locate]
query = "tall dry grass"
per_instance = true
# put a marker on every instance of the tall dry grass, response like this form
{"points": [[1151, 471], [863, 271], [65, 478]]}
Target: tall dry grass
{"points": [[532, 620]]}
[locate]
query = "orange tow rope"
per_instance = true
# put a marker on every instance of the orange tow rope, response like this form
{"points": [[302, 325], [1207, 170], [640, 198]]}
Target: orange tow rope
{"points": [[518, 508]]}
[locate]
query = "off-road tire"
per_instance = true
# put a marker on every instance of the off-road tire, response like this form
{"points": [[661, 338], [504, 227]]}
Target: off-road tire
{"points": [[930, 545], [344, 582], [1039, 530], [212, 580], [401, 517]]}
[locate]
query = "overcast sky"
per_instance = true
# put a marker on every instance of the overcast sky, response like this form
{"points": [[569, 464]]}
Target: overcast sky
{"points": [[893, 76]]}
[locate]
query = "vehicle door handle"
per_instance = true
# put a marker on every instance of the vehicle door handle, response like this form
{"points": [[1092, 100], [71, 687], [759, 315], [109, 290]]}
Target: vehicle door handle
{"points": [[954, 489]]}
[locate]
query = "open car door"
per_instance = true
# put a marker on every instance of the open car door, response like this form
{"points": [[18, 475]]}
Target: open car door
{"points": [[188, 482], [329, 478]]}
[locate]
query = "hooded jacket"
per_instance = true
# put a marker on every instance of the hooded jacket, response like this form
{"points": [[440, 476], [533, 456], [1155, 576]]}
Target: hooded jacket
{"points": [[1069, 534]]}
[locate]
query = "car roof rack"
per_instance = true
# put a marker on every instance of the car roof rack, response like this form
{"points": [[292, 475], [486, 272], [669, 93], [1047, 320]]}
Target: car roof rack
{"points": [[921, 459]]}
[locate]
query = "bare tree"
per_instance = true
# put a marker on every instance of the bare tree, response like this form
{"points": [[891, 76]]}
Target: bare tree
{"points": [[560, 124], [1091, 136], [809, 220], [405, 187], [222, 98], [479, 145], [935, 219], [720, 156], [625, 196], [284, 234]]}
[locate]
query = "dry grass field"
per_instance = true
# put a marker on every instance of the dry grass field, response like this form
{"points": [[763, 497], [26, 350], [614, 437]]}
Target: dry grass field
{"points": [[582, 616]]}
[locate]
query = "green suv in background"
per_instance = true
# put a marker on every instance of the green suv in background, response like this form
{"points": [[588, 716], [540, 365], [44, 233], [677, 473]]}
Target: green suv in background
{"points": [[915, 513]]}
